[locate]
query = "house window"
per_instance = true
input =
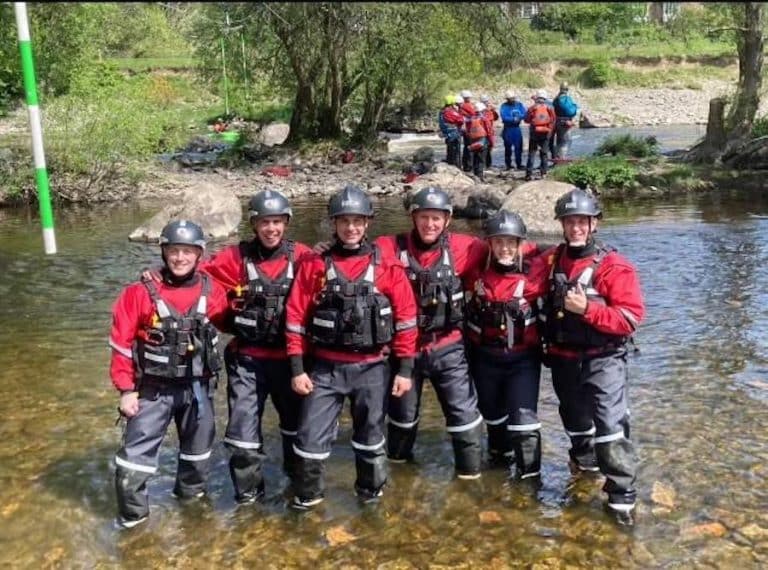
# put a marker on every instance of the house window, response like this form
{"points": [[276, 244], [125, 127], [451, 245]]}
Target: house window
{"points": [[669, 10], [528, 10]]}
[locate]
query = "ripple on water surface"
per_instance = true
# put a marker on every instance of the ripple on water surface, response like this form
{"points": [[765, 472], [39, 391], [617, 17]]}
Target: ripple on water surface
{"points": [[697, 397]]}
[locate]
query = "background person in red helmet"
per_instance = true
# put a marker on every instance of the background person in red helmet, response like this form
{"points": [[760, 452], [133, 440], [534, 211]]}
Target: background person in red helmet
{"points": [[504, 347], [164, 363], [348, 310], [592, 307], [436, 261]]}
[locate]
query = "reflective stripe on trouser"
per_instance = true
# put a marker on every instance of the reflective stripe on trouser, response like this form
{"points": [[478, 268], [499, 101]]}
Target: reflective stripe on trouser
{"points": [[250, 382], [448, 371], [508, 387], [137, 459], [366, 384], [593, 407]]}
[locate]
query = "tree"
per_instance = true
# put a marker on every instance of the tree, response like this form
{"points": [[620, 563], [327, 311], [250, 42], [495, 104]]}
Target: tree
{"points": [[725, 135]]}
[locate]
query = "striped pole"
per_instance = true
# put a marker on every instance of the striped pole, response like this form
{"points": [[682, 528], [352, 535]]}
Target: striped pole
{"points": [[30, 90]]}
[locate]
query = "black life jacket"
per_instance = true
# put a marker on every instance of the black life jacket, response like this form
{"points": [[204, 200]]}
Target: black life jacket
{"points": [[178, 346], [439, 291], [351, 314], [260, 306], [563, 328], [499, 323]]}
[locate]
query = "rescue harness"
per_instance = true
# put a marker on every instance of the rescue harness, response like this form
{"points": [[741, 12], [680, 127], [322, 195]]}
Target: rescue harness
{"points": [[567, 329], [351, 314], [259, 307], [439, 291], [178, 346]]}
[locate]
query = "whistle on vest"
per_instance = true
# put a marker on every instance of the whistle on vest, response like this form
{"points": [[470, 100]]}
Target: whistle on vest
{"points": [[155, 321]]}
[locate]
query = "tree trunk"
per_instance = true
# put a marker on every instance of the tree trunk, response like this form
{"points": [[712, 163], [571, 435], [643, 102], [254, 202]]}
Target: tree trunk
{"points": [[375, 102], [747, 99], [303, 120], [711, 147]]}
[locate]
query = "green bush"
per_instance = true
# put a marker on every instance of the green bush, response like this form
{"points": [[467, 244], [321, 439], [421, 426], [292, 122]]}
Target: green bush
{"points": [[102, 131], [628, 145], [596, 173], [760, 127], [599, 74]]}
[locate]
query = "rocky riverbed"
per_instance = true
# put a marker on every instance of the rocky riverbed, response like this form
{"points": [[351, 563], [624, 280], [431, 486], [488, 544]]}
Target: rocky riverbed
{"points": [[383, 174]]}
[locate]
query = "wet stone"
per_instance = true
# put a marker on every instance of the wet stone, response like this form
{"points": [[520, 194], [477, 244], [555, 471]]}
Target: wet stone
{"points": [[663, 494], [755, 532], [489, 517], [712, 529]]}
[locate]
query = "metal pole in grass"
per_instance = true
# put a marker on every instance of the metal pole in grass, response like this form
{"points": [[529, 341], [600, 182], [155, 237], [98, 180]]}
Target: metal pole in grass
{"points": [[224, 72], [30, 90]]}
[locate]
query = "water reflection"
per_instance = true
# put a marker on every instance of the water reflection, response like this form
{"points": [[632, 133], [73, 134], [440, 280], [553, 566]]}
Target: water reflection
{"points": [[698, 397]]}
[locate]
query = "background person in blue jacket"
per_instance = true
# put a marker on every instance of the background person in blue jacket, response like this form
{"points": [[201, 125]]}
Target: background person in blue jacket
{"points": [[512, 112], [566, 110]]}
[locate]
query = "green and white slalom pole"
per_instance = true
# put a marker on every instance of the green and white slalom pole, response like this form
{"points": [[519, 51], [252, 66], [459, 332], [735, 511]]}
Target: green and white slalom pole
{"points": [[30, 89]]}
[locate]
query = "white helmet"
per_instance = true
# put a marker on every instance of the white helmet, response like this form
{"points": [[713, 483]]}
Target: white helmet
{"points": [[510, 95], [479, 107], [541, 94], [459, 99], [484, 98], [466, 94]]}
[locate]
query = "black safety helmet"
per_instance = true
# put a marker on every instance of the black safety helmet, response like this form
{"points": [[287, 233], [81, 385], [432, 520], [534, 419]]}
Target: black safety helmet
{"points": [[505, 223], [430, 198], [182, 232], [352, 200], [577, 202], [269, 203]]}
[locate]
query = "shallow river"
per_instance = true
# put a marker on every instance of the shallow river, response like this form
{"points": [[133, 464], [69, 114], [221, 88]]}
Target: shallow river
{"points": [[584, 141], [698, 391]]}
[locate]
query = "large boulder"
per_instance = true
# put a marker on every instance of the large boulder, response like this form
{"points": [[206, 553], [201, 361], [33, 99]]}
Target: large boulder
{"points": [[535, 202], [217, 210], [470, 199], [273, 134]]}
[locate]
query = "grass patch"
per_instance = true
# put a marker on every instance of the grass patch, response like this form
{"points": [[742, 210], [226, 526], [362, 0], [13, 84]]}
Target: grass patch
{"points": [[589, 52], [597, 173], [628, 145]]}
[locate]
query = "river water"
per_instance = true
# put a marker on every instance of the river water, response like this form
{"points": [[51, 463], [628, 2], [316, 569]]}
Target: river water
{"points": [[698, 395], [584, 141]]}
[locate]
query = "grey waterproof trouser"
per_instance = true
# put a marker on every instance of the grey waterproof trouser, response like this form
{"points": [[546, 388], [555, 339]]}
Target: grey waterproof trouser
{"points": [[366, 384], [448, 371], [508, 394], [594, 409], [250, 382], [137, 459]]}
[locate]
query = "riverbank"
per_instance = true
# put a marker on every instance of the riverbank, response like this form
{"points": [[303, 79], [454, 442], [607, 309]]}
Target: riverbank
{"points": [[318, 169]]}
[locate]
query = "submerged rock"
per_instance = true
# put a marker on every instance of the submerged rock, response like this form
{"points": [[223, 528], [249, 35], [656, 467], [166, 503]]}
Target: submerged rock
{"points": [[217, 210]]}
